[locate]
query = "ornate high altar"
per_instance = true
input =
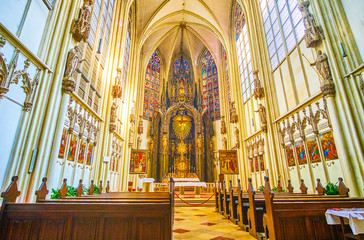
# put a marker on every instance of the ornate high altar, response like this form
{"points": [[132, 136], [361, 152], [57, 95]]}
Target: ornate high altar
{"points": [[180, 128]]}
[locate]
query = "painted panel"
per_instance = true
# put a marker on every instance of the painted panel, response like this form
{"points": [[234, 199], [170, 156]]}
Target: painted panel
{"points": [[328, 146], [289, 155], [301, 153], [313, 150]]}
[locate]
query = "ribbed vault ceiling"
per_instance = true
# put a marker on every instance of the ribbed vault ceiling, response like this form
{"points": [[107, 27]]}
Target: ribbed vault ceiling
{"points": [[165, 24]]}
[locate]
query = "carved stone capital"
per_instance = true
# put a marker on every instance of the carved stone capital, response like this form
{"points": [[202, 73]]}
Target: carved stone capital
{"points": [[112, 127], [328, 88], [68, 85]]}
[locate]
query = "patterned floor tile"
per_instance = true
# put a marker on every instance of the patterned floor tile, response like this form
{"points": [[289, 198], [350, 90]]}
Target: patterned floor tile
{"points": [[181, 230], [208, 224]]}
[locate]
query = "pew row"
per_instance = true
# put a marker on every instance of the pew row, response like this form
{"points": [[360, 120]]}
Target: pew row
{"points": [[97, 218], [304, 217]]}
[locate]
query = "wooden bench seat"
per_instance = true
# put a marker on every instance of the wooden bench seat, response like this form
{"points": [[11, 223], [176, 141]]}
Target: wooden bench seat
{"points": [[302, 218], [123, 217]]}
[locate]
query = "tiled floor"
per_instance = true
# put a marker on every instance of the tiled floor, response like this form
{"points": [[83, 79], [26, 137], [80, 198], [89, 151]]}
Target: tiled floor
{"points": [[203, 223]]}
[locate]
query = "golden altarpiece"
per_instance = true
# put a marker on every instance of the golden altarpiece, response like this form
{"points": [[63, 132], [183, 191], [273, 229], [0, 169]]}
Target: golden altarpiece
{"points": [[180, 127]]}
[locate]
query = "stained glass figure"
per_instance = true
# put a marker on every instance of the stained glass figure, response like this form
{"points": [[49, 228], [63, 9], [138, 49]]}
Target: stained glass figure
{"points": [[151, 91], [210, 82]]}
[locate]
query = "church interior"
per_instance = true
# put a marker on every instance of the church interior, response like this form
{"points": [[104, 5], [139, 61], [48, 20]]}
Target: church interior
{"points": [[163, 104]]}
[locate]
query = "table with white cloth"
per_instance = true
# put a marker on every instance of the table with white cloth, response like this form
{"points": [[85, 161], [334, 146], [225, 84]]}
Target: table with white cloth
{"points": [[353, 216], [148, 184], [195, 184]]}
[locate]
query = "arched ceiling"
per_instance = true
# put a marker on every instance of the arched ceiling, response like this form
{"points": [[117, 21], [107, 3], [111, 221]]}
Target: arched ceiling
{"points": [[193, 24]]}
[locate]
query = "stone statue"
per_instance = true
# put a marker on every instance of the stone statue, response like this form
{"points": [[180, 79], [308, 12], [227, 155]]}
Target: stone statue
{"points": [[173, 91], [258, 89], [223, 125], [190, 90], [237, 138], [224, 143], [140, 125], [322, 66], [117, 89], [73, 60], [313, 33], [165, 144], [211, 146], [81, 27], [263, 117], [114, 108], [234, 115], [139, 142]]}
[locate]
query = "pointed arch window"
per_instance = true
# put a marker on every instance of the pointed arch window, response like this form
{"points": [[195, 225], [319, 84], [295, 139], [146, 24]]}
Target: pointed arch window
{"points": [[283, 27], [210, 84], [152, 86], [244, 54]]}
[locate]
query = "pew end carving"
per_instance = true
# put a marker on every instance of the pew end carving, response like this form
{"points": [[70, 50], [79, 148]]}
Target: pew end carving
{"points": [[279, 186], [319, 188], [79, 189], [42, 192], [290, 187], [343, 190], [11, 193], [107, 187], [64, 190], [303, 187], [100, 187], [91, 189]]}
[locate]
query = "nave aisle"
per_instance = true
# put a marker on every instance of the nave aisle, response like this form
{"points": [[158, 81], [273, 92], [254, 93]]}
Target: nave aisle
{"points": [[203, 223]]}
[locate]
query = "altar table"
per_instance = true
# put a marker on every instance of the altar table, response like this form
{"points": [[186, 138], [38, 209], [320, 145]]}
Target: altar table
{"points": [[354, 217]]}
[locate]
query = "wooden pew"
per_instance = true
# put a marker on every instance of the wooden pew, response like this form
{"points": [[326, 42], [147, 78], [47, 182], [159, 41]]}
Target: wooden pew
{"points": [[220, 198], [216, 198], [242, 208], [76, 219], [233, 204], [226, 200], [303, 218], [255, 213]]}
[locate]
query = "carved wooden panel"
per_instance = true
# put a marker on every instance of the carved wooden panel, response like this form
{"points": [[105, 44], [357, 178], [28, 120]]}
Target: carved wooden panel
{"points": [[51, 229], [293, 228], [85, 228], [118, 228], [150, 228], [19, 228]]}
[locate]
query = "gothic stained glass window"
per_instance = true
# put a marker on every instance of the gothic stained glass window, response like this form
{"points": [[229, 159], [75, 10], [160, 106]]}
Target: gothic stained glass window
{"points": [[151, 90], [210, 84], [244, 54], [283, 27]]}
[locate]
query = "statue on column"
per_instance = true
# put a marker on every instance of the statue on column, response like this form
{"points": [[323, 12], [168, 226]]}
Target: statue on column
{"points": [[323, 67], [224, 143], [258, 89], [263, 117], [223, 125], [234, 115], [113, 117], [73, 61], [81, 26], [313, 33], [237, 138]]}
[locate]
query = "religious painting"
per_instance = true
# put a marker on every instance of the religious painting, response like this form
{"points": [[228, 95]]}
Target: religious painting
{"points": [[301, 153], [229, 162], [313, 150], [62, 146], [251, 164], [90, 153], [72, 148], [138, 161], [256, 163], [81, 153], [328, 146], [261, 163], [289, 155]]}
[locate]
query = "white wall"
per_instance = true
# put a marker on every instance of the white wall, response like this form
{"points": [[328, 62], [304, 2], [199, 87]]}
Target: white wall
{"points": [[354, 11]]}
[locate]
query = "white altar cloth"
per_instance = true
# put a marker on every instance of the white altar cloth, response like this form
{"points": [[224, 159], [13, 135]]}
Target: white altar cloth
{"points": [[190, 184], [186, 179], [353, 217]]}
